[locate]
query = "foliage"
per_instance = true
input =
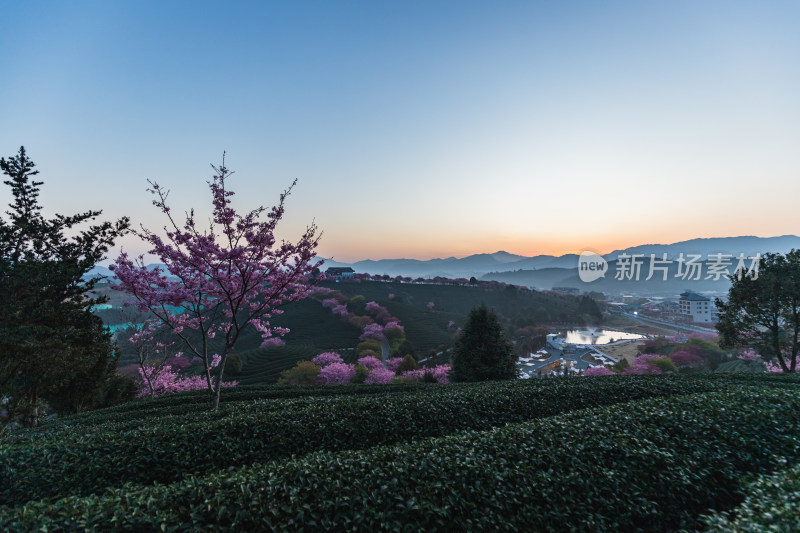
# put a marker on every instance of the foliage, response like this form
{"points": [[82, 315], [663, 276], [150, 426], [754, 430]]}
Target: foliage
{"points": [[665, 364], [235, 363], [54, 349], [303, 373], [481, 351], [161, 380], [133, 445], [369, 345], [327, 358], [644, 364], [598, 371], [658, 345], [408, 363], [763, 311], [360, 374], [337, 374], [687, 357], [379, 375], [772, 504], [218, 281], [393, 363], [370, 362], [671, 461], [620, 366]]}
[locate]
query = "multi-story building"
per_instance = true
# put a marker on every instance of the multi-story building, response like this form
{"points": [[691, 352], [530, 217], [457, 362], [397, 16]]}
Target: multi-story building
{"points": [[697, 307]]}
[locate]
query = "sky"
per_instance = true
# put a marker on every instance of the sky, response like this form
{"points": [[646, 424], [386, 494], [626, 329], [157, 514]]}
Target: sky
{"points": [[417, 129]]}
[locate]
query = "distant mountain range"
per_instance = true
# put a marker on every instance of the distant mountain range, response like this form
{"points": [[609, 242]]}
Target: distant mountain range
{"points": [[548, 271], [481, 264]]}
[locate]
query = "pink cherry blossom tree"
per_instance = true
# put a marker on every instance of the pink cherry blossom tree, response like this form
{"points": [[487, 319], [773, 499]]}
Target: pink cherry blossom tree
{"points": [[337, 374], [219, 280], [327, 358], [370, 362], [598, 371], [379, 376]]}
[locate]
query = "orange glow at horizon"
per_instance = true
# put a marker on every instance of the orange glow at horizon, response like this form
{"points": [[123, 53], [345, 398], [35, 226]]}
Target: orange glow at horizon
{"points": [[350, 251]]}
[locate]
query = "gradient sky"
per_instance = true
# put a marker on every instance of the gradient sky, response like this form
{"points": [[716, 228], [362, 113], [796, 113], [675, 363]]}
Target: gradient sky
{"points": [[418, 129]]}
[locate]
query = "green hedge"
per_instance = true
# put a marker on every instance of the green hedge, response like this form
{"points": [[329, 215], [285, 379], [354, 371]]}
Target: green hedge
{"points": [[772, 505], [656, 465], [74, 460]]}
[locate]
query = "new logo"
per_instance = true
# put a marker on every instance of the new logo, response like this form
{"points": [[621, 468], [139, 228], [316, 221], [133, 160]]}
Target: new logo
{"points": [[591, 266]]}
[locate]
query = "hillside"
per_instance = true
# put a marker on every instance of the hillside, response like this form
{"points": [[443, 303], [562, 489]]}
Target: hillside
{"points": [[314, 329], [635, 453]]}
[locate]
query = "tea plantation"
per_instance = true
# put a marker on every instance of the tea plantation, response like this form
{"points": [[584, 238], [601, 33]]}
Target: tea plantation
{"points": [[637, 453], [314, 329]]}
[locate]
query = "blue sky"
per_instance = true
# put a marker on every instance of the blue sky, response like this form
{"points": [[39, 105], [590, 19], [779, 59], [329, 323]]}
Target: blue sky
{"points": [[418, 129]]}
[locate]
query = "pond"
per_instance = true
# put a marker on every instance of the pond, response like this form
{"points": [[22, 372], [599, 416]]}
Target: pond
{"points": [[599, 336]]}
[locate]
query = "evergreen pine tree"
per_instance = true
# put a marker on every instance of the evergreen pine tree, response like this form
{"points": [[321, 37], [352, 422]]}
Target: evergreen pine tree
{"points": [[482, 351], [52, 348]]}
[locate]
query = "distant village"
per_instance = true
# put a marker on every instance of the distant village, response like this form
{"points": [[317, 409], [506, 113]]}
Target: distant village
{"points": [[576, 351]]}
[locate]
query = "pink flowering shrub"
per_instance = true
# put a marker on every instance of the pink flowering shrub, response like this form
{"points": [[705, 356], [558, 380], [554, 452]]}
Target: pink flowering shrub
{"points": [[394, 324], [430, 305], [772, 367], [643, 364], [167, 381], [749, 355], [441, 373], [391, 296], [330, 303], [372, 331], [342, 311], [393, 363], [273, 341], [327, 358], [412, 376], [598, 371], [370, 362], [337, 374], [642, 369], [379, 376], [373, 307], [319, 292], [685, 357]]}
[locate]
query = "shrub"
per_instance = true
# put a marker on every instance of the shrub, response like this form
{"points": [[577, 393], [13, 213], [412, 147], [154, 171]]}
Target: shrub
{"points": [[327, 358], [379, 375], [303, 373], [408, 363], [394, 363], [146, 449], [371, 345], [598, 371], [337, 374], [674, 460], [664, 364], [370, 362], [360, 374], [234, 364], [772, 503]]}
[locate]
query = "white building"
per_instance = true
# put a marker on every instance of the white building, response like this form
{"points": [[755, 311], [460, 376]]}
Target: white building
{"points": [[697, 307], [339, 273]]}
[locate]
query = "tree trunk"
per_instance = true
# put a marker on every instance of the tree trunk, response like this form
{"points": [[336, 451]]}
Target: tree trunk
{"points": [[218, 382]]}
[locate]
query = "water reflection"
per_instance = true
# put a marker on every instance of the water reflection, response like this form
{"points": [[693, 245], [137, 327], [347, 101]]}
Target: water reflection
{"points": [[599, 336]]}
